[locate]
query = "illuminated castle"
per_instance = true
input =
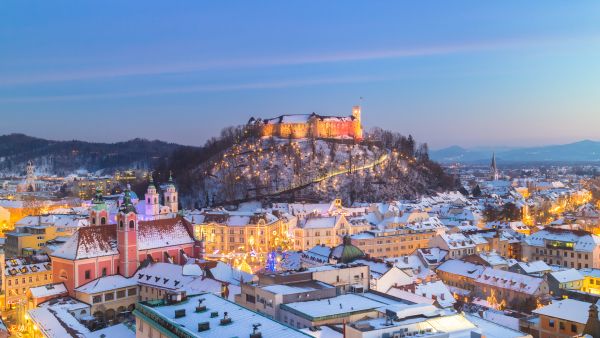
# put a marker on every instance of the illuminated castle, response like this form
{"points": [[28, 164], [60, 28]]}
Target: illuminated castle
{"points": [[310, 126]]}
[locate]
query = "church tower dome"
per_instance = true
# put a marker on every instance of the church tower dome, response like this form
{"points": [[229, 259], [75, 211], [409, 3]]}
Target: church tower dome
{"points": [[171, 196], [99, 209], [152, 207]]}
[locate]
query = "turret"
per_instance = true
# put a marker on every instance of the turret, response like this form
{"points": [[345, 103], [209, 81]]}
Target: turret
{"points": [[127, 225], [356, 113], [357, 125], [171, 198]]}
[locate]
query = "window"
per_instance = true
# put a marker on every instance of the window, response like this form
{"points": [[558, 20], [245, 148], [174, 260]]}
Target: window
{"points": [[109, 296], [561, 325], [121, 294], [573, 328], [551, 322], [103, 220], [97, 299], [132, 292], [120, 224], [87, 274], [103, 271], [131, 224]]}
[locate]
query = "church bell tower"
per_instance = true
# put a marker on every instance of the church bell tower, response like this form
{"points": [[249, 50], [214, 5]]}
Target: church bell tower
{"points": [[127, 226]]}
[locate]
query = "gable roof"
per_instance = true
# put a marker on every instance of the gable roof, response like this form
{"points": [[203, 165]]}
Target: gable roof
{"points": [[101, 240]]}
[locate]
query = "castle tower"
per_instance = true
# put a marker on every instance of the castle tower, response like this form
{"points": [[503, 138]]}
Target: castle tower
{"points": [[171, 199], [494, 174], [358, 133], [356, 113], [152, 207], [99, 210], [127, 225]]}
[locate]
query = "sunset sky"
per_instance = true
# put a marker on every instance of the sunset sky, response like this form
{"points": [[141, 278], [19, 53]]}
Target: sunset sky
{"points": [[467, 73]]}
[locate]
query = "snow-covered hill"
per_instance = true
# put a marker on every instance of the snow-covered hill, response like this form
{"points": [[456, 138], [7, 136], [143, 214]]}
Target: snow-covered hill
{"points": [[314, 169]]}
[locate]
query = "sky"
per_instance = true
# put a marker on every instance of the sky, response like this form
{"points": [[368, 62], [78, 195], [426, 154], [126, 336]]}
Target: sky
{"points": [[468, 73]]}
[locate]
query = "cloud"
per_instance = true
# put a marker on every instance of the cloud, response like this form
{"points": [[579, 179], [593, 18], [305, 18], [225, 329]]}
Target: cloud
{"points": [[196, 89], [249, 62]]}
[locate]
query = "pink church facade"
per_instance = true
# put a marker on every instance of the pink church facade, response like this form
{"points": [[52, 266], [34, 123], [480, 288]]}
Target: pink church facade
{"points": [[110, 249]]}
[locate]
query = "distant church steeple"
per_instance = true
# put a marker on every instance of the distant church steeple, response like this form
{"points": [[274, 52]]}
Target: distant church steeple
{"points": [[494, 174]]}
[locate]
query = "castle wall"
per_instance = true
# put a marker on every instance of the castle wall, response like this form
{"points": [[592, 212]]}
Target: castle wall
{"points": [[314, 128]]}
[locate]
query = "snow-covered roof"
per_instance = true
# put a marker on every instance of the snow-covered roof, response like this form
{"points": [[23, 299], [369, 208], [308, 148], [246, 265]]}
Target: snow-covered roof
{"points": [[333, 306], [48, 290], [55, 319], [27, 265], [107, 283], [534, 267], [461, 268], [568, 309], [320, 222], [566, 276], [242, 318], [510, 280], [436, 289], [101, 240], [226, 273], [120, 330], [582, 240], [492, 329]]}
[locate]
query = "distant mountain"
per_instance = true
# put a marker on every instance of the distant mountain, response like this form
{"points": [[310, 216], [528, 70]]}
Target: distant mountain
{"points": [[65, 157], [582, 151]]}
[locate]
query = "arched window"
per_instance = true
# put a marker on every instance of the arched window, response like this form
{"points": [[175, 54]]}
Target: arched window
{"points": [[120, 223], [131, 224], [168, 199], [93, 221], [103, 220]]}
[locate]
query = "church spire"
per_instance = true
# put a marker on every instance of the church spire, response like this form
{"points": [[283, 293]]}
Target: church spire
{"points": [[493, 168]]}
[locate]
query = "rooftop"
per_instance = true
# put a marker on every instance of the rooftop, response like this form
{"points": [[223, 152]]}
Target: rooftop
{"points": [[242, 319]]}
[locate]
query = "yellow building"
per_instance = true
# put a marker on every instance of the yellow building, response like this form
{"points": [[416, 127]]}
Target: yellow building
{"points": [[21, 274], [392, 243], [32, 232], [226, 232], [327, 230]]}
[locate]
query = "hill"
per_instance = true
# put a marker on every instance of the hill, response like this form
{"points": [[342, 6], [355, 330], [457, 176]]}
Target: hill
{"points": [[66, 157], [582, 151], [313, 169]]}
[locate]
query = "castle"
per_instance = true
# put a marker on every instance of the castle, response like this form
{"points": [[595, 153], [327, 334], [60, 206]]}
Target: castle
{"points": [[310, 126]]}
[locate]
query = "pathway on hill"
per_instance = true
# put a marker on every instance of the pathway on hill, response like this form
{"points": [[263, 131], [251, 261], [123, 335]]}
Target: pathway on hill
{"points": [[306, 182]]}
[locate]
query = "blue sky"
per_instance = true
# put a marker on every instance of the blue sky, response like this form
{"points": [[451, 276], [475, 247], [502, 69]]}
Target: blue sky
{"points": [[470, 73]]}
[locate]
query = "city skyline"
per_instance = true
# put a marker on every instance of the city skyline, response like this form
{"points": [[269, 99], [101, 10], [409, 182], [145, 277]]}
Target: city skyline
{"points": [[469, 75]]}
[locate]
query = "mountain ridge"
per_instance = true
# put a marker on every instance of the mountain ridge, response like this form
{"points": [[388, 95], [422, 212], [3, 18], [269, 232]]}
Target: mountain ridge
{"points": [[580, 151]]}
